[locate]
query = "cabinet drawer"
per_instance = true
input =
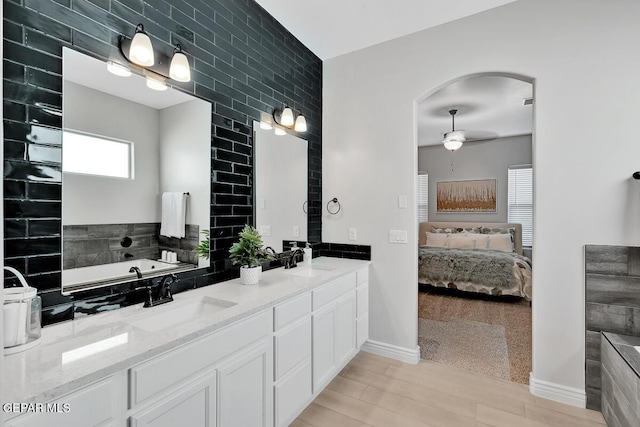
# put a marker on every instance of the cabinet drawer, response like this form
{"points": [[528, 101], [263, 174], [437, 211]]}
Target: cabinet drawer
{"points": [[91, 406], [163, 371], [363, 276], [290, 311], [292, 393], [329, 293], [362, 300], [292, 346]]}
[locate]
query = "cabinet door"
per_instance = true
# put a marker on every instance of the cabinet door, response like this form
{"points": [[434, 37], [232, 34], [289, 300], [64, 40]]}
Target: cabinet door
{"points": [[245, 389], [194, 405], [323, 345], [346, 328], [95, 405]]}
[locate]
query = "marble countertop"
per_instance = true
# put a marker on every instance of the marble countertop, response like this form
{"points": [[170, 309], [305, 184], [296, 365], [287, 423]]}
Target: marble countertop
{"points": [[628, 347], [76, 353]]}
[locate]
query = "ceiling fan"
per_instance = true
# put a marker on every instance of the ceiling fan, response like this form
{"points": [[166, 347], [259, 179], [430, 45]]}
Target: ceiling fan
{"points": [[453, 140]]}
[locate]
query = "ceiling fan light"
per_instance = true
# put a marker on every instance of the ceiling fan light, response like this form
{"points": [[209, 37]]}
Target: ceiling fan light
{"points": [[301, 124], [179, 69], [287, 117], [141, 50], [452, 144]]}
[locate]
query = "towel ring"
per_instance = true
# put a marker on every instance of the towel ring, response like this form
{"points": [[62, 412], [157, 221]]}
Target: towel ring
{"points": [[336, 202], [305, 207]]}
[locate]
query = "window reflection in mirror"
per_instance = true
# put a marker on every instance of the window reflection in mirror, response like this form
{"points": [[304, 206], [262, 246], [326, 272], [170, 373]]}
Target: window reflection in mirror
{"points": [[280, 195], [111, 224]]}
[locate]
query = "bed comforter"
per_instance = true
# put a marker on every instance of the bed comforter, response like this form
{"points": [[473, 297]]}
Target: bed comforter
{"points": [[475, 270]]}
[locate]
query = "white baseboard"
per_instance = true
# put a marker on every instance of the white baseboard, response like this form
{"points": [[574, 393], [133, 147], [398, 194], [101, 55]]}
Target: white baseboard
{"points": [[392, 351], [559, 393]]}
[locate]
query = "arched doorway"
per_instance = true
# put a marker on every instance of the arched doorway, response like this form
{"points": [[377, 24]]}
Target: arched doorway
{"points": [[465, 319]]}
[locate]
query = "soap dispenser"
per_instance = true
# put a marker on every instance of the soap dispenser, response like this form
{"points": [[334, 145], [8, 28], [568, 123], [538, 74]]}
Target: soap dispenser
{"points": [[307, 256]]}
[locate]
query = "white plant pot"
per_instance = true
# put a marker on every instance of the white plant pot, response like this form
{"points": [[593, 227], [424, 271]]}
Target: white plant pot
{"points": [[250, 275]]}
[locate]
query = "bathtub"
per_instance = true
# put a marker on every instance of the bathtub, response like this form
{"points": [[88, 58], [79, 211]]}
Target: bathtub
{"points": [[117, 272]]}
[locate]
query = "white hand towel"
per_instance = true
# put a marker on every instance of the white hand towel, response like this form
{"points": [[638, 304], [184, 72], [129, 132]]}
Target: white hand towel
{"points": [[174, 212]]}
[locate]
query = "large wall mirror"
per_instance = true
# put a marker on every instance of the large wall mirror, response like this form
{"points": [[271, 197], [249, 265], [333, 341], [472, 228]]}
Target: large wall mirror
{"points": [[136, 176], [280, 196]]}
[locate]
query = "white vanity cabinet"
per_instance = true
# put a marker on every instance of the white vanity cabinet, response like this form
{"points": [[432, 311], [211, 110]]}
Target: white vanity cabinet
{"points": [[261, 371], [99, 404], [223, 379], [315, 336]]}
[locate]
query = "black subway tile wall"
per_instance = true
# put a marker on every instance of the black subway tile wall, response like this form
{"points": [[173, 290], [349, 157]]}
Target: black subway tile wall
{"points": [[243, 62], [612, 298]]}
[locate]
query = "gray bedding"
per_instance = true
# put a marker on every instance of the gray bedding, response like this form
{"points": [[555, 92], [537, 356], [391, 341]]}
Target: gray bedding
{"points": [[476, 270]]}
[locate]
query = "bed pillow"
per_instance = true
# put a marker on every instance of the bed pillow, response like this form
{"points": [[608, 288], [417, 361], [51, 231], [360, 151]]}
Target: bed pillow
{"points": [[456, 230], [436, 240], [461, 241], [500, 242], [481, 240]]}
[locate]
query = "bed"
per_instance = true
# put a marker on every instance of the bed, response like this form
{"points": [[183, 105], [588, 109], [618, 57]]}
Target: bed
{"points": [[475, 257]]}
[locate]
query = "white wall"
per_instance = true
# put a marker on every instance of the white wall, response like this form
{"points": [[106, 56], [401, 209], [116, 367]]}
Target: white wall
{"points": [[280, 185], [185, 159], [488, 159], [101, 200], [586, 106]]}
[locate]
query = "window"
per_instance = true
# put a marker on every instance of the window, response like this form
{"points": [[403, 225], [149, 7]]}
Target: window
{"points": [[423, 196], [520, 200], [97, 155]]}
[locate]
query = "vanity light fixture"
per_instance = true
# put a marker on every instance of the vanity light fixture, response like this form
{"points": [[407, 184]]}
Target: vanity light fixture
{"points": [[117, 69], [285, 118], [141, 50], [301, 124], [179, 69], [453, 140], [156, 84]]}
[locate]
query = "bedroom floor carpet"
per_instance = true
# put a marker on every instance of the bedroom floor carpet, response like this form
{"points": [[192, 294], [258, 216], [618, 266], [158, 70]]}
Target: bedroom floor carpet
{"points": [[451, 311]]}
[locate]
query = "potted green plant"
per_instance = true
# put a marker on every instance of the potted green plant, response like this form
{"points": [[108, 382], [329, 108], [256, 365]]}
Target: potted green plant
{"points": [[202, 250], [248, 253]]}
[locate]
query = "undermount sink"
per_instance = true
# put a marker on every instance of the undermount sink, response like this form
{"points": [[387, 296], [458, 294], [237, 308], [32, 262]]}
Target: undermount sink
{"points": [[168, 316], [310, 271]]}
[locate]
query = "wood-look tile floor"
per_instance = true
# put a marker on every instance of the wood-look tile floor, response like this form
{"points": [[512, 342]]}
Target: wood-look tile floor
{"points": [[381, 392]]}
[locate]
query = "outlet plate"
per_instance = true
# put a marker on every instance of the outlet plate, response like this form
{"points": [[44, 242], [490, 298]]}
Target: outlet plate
{"points": [[296, 231]]}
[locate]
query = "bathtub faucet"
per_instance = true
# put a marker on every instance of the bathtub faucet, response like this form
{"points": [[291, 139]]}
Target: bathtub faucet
{"points": [[137, 271]]}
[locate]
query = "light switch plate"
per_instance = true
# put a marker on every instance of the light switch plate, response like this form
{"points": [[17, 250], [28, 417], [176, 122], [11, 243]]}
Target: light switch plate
{"points": [[398, 236], [296, 231], [353, 234], [262, 203], [402, 202]]}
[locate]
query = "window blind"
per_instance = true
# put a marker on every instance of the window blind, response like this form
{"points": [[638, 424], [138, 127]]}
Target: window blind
{"points": [[520, 200], [423, 197]]}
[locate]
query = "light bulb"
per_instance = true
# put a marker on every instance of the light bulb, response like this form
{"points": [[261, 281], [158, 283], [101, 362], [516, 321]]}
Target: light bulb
{"points": [[156, 84], [287, 117], [141, 50], [179, 69], [117, 69], [452, 144], [301, 124], [280, 132]]}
